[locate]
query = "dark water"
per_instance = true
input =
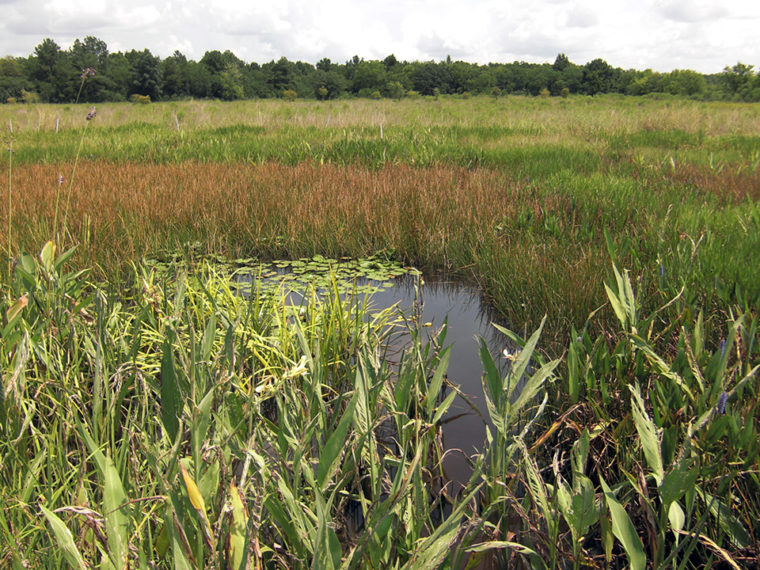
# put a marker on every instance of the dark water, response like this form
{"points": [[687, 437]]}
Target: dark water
{"points": [[468, 318]]}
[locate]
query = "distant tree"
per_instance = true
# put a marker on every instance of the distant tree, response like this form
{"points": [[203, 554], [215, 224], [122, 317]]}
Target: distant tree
{"points": [[13, 79], [390, 61], [738, 81], [90, 57], [198, 80], [395, 90], [561, 62], [333, 82], [226, 79], [324, 64], [597, 77], [685, 82], [92, 52], [51, 72], [119, 76], [282, 75], [369, 76], [174, 75], [146, 76]]}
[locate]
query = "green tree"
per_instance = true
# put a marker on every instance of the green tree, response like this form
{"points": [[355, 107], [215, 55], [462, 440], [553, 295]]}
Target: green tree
{"points": [[369, 76], [52, 73], [146, 75], [561, 63], [119, 76], [174, 75], [738, 81], [12, 79], [685, 82], [597, 77]]}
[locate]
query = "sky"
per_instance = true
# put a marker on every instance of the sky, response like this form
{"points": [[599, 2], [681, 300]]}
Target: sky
{"points": [[703, 35]]}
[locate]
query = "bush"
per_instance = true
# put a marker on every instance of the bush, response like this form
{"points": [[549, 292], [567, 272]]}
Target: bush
{"points": [[289, 95], [11, 100], [141, 99], [30, 96]]}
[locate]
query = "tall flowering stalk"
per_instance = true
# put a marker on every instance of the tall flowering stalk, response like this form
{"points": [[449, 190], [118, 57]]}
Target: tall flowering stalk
{"points": [[86, 72], [10, 196]]}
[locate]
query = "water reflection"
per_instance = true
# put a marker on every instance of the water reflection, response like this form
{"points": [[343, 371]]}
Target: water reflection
{"points": [[468, 317]]}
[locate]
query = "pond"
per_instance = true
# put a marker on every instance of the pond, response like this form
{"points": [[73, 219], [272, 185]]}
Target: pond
{"points": [[460, 305], [468, 317]]}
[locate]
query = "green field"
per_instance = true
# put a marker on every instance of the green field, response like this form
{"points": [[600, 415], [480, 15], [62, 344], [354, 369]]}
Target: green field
{"points": [[158, 417]]}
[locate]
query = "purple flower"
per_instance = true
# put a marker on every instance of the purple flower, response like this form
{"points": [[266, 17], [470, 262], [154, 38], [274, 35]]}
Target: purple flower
{"points": [[60, 179], [91, 114], [722, 399], [87, 72]]}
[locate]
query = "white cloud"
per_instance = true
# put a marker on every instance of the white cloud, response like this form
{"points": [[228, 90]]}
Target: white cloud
{"points": [[705, 35]]}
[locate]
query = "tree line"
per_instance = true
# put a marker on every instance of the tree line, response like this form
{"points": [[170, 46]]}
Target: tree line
{"points": [[88, 72]]}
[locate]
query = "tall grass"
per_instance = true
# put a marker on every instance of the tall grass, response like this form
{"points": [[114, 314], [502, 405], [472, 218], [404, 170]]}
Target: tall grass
{"points": [[535, 247], [182, 424]]}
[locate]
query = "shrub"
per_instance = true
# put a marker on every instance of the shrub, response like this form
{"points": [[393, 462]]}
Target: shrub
{"points": [[137, 98], [289, 95], [30, 96]]}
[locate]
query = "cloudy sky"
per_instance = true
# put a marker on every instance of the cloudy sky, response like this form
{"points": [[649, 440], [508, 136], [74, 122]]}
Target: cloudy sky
{"points": [[704, 35]]}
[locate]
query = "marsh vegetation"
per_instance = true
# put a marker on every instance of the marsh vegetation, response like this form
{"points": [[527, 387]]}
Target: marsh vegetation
{"points": [[161, 417]]}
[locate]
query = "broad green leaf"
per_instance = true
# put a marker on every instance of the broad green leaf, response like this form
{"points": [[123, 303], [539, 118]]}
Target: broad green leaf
{"points": [[115, 503], [435, 384], [731, 525], [327, 549], [520, 365], [661, 366], [535, 558], [47, 256], [677, 481], [443, 407], [676, 516], [333, 450], [623, 529], [492, 379], [648, 434], [170, 392], [238, 539], [618, 307], [209, 334], [533, 385], [65, 540]]}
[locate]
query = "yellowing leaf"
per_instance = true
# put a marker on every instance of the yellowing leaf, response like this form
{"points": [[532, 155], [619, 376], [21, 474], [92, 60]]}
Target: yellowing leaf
{"points": [[17, 307], [196, 499]]}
